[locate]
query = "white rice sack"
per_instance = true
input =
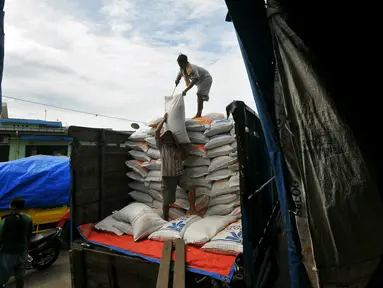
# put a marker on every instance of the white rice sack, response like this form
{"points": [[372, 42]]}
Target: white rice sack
{"points": [[139, 155], [174, 229], [221, 162], [138, 136], [156, 204], [234, 145], [107, 224], [195, 172], [224, 199], [219, 175], [197, 127], [155, 122], [219, 140], [141, 197], [219, 127], [200, 191], [198, 150], [159, 212], [140, 146], [152, 165], [214, 116], [181, 204], [175, 213], [196, 182], [135, 165], [198, 124], [202, 203], [138, 186], [195, 161], [234, 167], [222, 187], [153, 185], [154, 176], [232, 131], [228, 241], [156, 195], [197, 137], [175, 107], [224, 150], [201, 231], [234, 154], [181, 193], [151, 142], [234, 180], [236, 212], [221, 209], [135, 176], [124, 227], [130, 211], [153, 153], [145, 223]]}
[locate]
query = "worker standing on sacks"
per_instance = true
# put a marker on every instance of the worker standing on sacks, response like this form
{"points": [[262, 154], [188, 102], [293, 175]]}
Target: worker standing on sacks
{"points": [[173, 155], [194, 75]]}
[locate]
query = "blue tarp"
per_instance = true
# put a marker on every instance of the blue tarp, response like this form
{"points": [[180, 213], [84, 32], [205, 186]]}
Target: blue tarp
{"points": [[43, 181], [250, 22]]}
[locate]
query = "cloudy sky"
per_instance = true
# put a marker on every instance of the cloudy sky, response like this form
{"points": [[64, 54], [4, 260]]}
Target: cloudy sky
{"points": [[116, 57]]}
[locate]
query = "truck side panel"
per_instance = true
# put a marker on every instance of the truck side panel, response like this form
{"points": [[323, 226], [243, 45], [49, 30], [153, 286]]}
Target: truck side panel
{"points": [[91, 268], [99, 184]]}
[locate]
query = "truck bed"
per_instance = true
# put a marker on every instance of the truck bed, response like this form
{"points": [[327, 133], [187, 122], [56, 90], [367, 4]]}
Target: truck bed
{"points": [[100, 186]]}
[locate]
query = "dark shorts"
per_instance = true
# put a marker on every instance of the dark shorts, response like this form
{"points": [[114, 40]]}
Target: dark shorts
{"points": [[12, 264], [169, 188]]}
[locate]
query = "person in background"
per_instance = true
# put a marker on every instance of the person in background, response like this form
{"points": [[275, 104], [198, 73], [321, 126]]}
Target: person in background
{"points": [[15, 235], [172, 158], [194, 75]]}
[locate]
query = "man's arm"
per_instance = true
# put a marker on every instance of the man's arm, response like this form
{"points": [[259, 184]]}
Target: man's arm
{"points": [[158, 130], [192, 83], [178, 78], [194, 77]]}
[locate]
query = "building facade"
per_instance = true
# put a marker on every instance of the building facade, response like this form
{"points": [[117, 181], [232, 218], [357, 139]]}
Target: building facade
{"points": [[21, 138]]}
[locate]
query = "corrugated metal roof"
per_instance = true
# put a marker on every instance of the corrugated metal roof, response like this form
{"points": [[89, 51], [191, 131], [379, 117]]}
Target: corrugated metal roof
{"points": [[32, 122]]}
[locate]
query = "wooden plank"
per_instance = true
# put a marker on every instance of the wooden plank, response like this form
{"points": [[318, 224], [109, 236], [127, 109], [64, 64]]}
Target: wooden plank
{"points": [[163, 274], [77, 268], [112, 273], [179, 266], [128, 271]]}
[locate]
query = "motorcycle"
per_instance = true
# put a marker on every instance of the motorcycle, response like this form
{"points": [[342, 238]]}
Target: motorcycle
{"points": [[44, 249]]}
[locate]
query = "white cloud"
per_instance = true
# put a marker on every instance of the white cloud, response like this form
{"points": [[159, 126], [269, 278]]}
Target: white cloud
{"points": [[116, 57]]}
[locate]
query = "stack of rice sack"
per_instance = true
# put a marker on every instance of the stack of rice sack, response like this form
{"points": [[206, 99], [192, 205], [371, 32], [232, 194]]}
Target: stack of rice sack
{"points": [[216, 234], [216, 134], [197, 165], [146, 174]]}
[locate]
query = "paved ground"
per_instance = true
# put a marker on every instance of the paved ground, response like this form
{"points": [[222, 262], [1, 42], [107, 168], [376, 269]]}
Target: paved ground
{"points": [[57, 276]]}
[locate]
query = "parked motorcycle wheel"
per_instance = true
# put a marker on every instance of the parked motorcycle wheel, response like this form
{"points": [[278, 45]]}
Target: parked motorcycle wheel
{"points": [[51, 254]]}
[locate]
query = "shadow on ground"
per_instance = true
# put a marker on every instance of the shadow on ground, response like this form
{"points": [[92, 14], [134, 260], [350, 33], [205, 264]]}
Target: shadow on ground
{"points": [[57, 276]]}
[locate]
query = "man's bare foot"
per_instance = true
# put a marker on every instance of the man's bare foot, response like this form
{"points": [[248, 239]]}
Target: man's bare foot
{"points": [[197, 116], [192, 212]]}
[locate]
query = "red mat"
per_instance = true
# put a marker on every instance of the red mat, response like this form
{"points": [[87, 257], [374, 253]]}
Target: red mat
{"points": [[214, 265]]}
